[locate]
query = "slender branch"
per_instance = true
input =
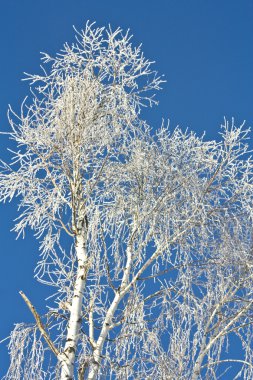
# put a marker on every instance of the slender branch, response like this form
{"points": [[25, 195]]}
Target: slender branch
{"points": [[224, 331], [52, 179], [40, 325], [228, 361], [64, 226], [91, 322]]}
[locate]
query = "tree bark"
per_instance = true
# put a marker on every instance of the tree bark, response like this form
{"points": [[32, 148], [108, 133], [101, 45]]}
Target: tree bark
{"points": [[73, 332], [94, 367], [104, 332]]}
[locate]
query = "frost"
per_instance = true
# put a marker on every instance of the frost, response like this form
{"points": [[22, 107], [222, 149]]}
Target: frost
{"points": [[145, 238]]}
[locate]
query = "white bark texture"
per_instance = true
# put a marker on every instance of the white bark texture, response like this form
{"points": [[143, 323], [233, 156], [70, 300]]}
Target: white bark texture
{"points": [[75, 317]]}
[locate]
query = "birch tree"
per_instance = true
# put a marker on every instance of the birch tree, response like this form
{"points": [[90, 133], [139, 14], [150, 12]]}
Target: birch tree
{"points": [[145, 235]]}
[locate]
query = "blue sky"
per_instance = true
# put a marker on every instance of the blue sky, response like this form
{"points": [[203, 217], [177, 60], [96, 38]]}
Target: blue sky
{"points": [[204, 49]]}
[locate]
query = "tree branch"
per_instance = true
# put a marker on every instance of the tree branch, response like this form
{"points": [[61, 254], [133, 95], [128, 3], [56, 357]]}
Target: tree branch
{"points": [[40, 324]]}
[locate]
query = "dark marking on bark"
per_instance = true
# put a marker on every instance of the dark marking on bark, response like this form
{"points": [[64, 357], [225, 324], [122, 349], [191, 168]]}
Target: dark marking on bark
{"points": [[86, 221], [70, 349], [82, 369]]}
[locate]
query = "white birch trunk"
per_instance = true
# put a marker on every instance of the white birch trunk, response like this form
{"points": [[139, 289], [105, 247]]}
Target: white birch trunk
{"points": [[94, 368], [104, 332], [73, 332]]}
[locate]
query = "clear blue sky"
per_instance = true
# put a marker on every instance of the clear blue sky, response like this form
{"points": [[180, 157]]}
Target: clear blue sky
{"points": [[204, 49]]}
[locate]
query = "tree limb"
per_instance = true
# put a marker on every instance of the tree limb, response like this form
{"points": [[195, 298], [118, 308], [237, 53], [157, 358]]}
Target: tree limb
{"points": [[40, 324]]}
